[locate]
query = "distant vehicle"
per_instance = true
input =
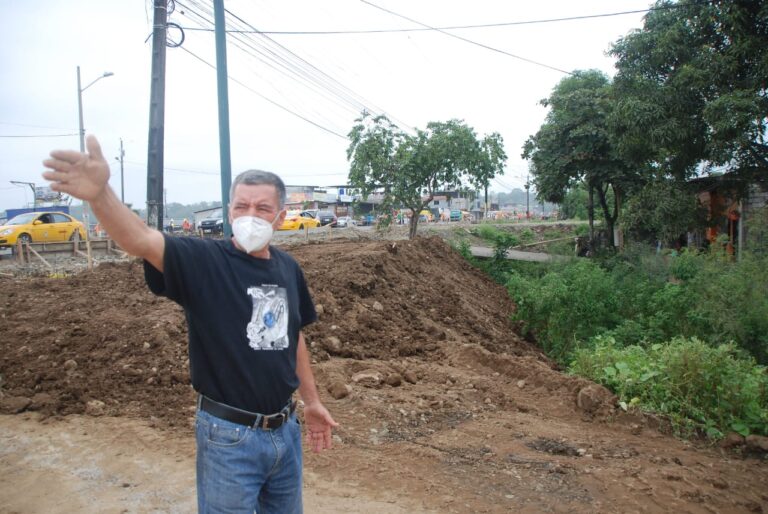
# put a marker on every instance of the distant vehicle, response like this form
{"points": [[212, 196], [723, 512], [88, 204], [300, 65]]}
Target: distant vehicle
{"points": [[41, 227], [425, 215], [298, 220], [312, 213], [367, 220], [326, 218], [213, 224], [345, 221], [456, 215]]}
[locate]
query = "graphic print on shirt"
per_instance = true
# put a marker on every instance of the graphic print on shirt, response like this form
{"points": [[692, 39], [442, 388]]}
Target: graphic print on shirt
{"points": [[268, 328]]}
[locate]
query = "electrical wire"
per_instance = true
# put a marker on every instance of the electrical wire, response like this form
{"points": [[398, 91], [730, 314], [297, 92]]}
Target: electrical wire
{"points": [[454, 27], [271, 60], [268, 60], [267, 99], [39, 135], [283, 60], [460, 38], [216, 173], [33, 126]]}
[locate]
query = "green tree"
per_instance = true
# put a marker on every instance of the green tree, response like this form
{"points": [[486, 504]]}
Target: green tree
{"points": [[409, 169], [574, 204], [574, 145], [663, 210], [691, 87]]}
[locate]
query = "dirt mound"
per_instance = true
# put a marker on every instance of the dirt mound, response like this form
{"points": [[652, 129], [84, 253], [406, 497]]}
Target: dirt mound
{"points": [[101, 343], [384, 300], [96, 342]]}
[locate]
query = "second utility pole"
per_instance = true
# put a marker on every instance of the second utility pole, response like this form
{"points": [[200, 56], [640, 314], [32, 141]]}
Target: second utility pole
{"points": [[122, 180]]}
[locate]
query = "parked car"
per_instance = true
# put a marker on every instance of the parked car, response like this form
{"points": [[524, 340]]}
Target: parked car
{"points": [[298, 220], [41, 227], [367, 220], [426, 215], [326, 218], [345, 221], [456, 215], [213, 224]]}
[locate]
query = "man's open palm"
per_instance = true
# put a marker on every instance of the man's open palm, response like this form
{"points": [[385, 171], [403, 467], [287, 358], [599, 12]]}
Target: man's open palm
{"points": [[82, 175]]}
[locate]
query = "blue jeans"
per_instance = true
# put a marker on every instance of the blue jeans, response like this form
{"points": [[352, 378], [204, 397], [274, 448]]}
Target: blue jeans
{"points": [[247, 470]]}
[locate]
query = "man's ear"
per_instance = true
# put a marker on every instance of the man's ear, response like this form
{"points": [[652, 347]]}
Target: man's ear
{"points": [[280, 218]]}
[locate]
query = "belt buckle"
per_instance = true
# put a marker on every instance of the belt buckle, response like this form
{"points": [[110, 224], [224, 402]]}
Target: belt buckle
{"points": [[265, 420]]}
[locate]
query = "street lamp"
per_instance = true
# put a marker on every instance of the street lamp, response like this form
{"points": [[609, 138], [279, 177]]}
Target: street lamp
{"points": [[82, 150], [31, 186], [80, 102]]}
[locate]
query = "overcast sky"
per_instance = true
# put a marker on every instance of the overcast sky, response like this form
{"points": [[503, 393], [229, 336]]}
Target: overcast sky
{"points": [[412, 76]]}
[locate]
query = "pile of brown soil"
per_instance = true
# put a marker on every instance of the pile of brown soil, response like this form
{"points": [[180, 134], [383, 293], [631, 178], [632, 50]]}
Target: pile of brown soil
{"points": [[101, 343]]}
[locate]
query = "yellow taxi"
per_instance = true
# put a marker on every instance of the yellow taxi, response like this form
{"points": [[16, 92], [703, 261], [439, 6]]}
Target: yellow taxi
{"points": [[299, 220], [40, 227]]}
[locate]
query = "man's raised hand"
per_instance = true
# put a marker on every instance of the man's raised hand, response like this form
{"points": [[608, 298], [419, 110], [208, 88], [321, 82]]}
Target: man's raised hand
{"points": [[82, 175]]}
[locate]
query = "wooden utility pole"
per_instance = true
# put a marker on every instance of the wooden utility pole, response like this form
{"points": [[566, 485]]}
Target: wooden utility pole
{"points": [[157, 119]]}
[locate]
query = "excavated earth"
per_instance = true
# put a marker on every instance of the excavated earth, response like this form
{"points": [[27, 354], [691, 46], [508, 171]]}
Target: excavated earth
{"points": [[443, 406]]}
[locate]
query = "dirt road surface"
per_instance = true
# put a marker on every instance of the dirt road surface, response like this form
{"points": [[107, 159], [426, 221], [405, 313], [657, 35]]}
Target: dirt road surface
{"points": [[443, 407]]}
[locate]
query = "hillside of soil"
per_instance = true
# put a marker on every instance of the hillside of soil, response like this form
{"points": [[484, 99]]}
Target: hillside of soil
{"points": [[440, 401]]}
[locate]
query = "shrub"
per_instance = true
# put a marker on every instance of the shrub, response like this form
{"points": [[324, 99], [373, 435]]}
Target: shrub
{"points": [[572, 303], [700, 388], [486, 232]]}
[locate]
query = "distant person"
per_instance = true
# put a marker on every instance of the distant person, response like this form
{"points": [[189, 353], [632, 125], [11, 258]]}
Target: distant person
{"points": [[185, 226], [246, 303]]}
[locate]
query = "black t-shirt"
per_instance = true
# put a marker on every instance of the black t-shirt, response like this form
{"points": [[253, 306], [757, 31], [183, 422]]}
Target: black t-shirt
{"points": [[244, 316]]}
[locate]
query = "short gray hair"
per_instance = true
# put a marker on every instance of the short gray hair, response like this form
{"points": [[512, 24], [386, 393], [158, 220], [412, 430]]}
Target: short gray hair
{"points": [[257, 177]]}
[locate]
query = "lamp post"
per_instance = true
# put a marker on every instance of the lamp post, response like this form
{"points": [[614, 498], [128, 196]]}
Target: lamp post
{"points": [[122, 181], [80, 102], [31, 186], [82, 149]]}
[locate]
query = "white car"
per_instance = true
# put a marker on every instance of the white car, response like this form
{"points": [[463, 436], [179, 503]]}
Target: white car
{"points": [[345, 221]]}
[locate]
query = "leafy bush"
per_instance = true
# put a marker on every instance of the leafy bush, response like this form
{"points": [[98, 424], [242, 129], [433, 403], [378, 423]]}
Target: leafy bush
{"points": [[641, 297], [581, 230], [487, 232], [572, 303], [732, 302], [527, 235], [463, 247], [702, 388]]}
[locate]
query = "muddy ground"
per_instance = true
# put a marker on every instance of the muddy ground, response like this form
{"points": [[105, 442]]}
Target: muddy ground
{"points": [[443, 407]]}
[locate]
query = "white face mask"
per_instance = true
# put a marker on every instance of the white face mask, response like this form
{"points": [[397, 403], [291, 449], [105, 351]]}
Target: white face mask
{"points": [[252, 233]]}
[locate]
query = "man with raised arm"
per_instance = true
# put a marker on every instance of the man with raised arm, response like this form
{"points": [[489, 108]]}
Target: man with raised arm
{"points": [[246, 303]]}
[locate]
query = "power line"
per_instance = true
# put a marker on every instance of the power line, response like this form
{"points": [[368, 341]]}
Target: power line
{"points": [[34, 126], [216, 173], [286, 109], [357, 101], [450, 27], [272, 60], [40, 135], [286, 62], [460, 38]]}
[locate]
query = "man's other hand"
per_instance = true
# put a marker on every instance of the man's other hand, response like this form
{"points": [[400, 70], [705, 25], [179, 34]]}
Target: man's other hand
{"points": [[319, 424]]}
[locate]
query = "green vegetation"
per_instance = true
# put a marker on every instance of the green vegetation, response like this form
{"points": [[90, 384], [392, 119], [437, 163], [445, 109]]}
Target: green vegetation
{"points": [[700, 388], [681, 334], [642, 298], [409, 169]]}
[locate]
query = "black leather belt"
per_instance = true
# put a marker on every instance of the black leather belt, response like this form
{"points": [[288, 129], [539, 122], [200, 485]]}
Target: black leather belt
{"points": [[242, 417]]}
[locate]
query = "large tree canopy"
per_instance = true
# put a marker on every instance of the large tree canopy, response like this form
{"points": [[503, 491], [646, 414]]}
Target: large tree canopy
{"points": [[574, 145], [691, 87], [409, 169]]}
